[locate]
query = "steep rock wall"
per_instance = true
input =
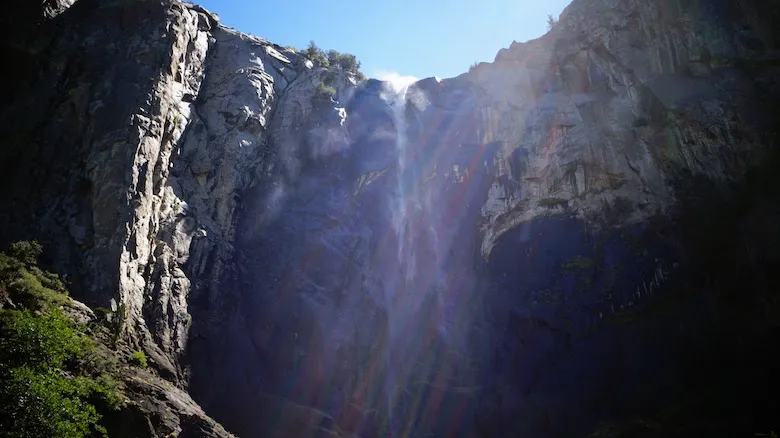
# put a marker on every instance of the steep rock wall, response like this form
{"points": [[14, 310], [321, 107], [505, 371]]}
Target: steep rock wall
{"points": [[564, 154], [619, 97], [368, 264], [94, 154], [130, 164], [119, 193]]}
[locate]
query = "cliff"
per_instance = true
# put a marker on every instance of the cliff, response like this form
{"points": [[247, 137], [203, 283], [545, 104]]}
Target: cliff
{"points": [[390, 259]]}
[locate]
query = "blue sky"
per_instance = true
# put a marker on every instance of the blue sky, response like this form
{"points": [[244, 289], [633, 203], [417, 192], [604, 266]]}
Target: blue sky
{"points": [[418, 38]]}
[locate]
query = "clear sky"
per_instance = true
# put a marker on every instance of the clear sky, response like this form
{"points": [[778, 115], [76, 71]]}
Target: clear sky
{"points": [[418, 38]]}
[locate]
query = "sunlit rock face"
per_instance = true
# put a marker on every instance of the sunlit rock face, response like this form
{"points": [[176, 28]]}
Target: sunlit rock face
{"points": [[444, 258], [608, 105]]}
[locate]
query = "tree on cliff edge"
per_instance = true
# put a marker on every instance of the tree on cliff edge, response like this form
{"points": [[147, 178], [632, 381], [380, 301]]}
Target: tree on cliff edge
{"points": [[550, 22]]}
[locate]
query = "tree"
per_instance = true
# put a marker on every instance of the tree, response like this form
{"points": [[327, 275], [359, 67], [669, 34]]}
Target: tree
{"points": [[38, 397], [38, 404], [325, 91], [26, 251], [312, 50], [550, 22], [345, 61], [333, 58], [316, 55]]}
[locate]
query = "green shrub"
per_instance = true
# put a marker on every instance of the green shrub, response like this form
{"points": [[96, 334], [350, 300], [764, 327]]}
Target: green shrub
{"points": [[329, 77], [56, 380], [112, 321], [345, 61], [28, 290], [325, 91], [316, 55], [103, 314], [139, 359], [118, 324], [49, 280], [26, 283], [51, 386], [9, 268], [42, 342], [551, 22], [580, 263], [333, 58], [26, 251], [45, 404], [553, 202]]}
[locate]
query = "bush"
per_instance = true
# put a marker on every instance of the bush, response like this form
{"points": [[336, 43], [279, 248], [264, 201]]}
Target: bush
{"points": [[333, 58], [40, 342], [26, 251], [44, 404], [139, 359], [345, 61], [551, 21], [26, 283], [55, 379], [39, 396], [553, 202], [579, 263], [316, 55], [114, 322], [325, 91], [28, 290]]}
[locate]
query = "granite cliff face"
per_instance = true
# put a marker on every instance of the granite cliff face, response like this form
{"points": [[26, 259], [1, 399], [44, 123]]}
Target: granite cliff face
{"points": [[452, 257]]}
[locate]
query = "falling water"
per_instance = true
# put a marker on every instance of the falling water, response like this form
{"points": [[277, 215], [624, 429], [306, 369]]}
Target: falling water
{"points": [[411, 266], [404, 202], [405, 205]]}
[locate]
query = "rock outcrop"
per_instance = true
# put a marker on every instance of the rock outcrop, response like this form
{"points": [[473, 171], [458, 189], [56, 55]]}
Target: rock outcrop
{"points": [[387, 259], [619, 96]]}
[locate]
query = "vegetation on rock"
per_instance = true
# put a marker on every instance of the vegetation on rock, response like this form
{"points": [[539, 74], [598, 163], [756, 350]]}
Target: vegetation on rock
{"points": [[139, 358], [325, 91], [579, 262], [551, 21], [56, 381], [334, 59], [553, 202], [26, 251]]}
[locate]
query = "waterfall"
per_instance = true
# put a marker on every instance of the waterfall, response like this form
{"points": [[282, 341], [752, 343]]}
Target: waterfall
{"points": [[405, 202], [411, 263], [405, 206]]}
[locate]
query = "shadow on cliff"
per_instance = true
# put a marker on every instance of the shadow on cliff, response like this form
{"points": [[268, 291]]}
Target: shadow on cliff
{"points": [[689, 352], [731, 278]]}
